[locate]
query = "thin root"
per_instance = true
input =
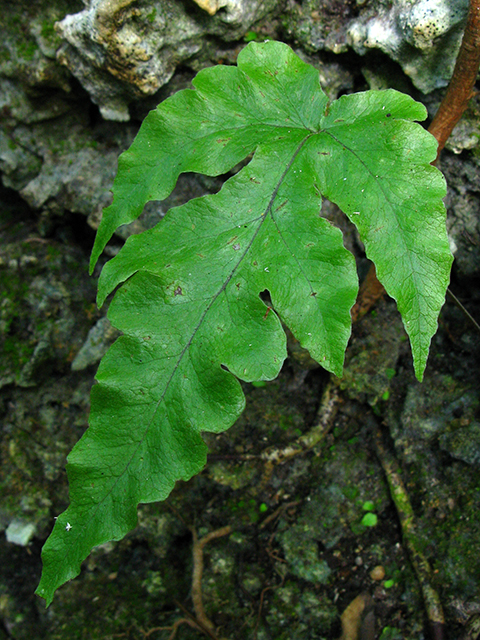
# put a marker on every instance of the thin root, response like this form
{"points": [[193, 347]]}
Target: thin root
{"points": [[198, 546], [273, 456], [420, 563]]}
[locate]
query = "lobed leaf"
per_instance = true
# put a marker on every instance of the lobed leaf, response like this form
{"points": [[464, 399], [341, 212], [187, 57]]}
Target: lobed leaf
{"points": [[212, 128], [190, 305], [377, 169]]}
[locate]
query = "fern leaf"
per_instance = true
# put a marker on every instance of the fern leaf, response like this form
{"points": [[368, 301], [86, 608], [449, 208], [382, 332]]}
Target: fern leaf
{"points": [[189, 304]]}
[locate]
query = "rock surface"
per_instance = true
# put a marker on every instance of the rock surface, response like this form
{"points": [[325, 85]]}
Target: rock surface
{"points": [[423, 37], [124, 49], [300, 551]]}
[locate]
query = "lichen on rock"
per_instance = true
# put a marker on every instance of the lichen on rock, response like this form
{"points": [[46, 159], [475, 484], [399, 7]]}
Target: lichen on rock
{"points": [[422, 36], [126, 49]]}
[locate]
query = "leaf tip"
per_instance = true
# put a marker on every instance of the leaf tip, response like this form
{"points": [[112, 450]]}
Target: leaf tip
{"points": [[92, 264], [101, 296], [95, 255], [42, 592], [419, 368]]}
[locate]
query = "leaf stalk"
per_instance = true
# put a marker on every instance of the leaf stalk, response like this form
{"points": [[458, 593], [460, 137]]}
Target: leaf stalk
{"points": [[460, 89]]}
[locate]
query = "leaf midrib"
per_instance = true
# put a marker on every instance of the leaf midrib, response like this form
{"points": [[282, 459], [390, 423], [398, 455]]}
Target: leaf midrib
{"points": [[262, 219], [405, 250]]}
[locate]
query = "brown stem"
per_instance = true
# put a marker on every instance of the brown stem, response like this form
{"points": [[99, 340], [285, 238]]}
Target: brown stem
{"points": [[371, 290], [460, 89], [451, 109]]}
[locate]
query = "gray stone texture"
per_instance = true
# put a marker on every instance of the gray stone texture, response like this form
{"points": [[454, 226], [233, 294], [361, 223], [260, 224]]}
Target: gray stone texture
{"points": [[423, 36], [125, 49]]}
